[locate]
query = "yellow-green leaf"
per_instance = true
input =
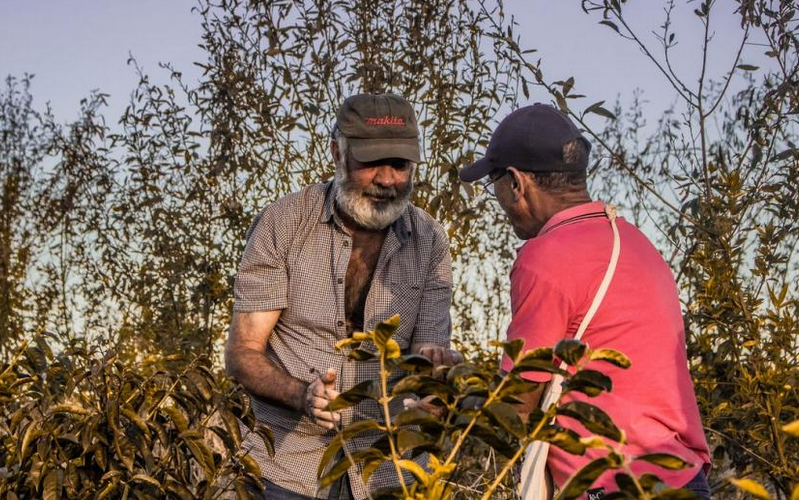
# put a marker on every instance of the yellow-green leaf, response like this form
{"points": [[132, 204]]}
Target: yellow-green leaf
{"points": [[665, 460], [792, 429], [51, 490], [752, 487], [68, 408], [611, 356], [145, 478], [415, 469]]}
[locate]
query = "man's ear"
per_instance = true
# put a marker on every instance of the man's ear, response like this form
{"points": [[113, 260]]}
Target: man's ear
{"points": [[517, 181], [334, 150]]}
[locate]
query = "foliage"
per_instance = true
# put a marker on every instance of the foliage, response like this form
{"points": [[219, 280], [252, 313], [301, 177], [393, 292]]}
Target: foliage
{"points": [[478, 412], [129, 234], [79, 424], [132, 233]]}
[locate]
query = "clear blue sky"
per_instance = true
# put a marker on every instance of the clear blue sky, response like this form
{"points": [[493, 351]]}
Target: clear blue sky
{"points": [[75, 46]]}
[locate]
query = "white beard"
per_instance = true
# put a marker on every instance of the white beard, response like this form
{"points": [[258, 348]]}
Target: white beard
{"points": [[366, 212]]}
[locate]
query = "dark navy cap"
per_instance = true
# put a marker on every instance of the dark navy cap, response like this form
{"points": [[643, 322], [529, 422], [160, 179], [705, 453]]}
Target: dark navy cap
{"points": [[530, 139]]}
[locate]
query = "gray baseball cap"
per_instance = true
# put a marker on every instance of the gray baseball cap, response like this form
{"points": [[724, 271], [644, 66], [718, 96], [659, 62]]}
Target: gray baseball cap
{"points": [[379, 126]]}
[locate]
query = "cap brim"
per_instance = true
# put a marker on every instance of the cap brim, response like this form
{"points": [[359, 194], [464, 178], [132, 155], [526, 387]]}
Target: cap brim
{"points": [[366, 150], [475, 171]]}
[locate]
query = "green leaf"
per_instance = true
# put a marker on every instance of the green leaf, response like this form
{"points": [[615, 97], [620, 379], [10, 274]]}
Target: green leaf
{"points": [[361, 426], [422, 385], [416, 416], [341, 467], [369, 466], [368, 389], [231, 425], [589, 382], [506, 417], [519, 386], [665, 460], [414, 362], [329, 454], [680, 494], [68, 408], [611, 356], [513, 348], [747, 67], [611, 24], [145, 478], [584, 478], [565, 439], [752, 487], [51, 489], [250, 464], [408, 439], [177, 417], [597, 108], [592, 418], [202, 454], [571, 351], [537, 365]]}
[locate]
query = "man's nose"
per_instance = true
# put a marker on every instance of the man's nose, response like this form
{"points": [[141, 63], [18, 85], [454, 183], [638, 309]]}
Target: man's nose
{"points": [[385, 176]]}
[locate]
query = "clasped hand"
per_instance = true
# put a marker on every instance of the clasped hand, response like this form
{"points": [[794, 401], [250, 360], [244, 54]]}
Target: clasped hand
{"points": [[319, 394]]}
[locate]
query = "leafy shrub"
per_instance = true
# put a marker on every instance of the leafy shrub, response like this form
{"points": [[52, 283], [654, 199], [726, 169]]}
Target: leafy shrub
{"points": [[478, 413], [78, 424]]}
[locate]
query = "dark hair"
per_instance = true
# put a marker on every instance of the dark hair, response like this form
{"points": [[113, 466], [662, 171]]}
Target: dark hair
{"points": [[560, 182], [574, 153]]}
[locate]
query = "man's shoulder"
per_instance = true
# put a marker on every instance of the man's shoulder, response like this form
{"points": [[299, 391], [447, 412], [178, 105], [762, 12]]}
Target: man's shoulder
{"points": [[309, 196], [292, 208], [424, 224]]}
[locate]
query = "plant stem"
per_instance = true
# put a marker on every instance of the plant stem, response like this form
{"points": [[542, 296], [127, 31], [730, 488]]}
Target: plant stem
{"points": [[525, 443], [395, 457], [491, 397]]}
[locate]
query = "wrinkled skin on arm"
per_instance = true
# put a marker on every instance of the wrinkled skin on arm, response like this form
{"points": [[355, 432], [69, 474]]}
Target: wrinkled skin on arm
{"points": [[247, 363]]}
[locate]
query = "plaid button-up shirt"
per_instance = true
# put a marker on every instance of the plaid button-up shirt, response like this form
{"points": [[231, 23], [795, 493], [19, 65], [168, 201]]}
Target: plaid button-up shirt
{"points": [[296, 260]]}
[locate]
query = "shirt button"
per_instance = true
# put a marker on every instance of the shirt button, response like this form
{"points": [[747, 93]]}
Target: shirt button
{"points": [[340, 323], [340, 281]]}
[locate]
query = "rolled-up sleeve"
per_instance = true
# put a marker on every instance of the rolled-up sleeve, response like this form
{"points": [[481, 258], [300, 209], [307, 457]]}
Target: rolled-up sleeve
{"points": [[262, 279], [434, 325]]}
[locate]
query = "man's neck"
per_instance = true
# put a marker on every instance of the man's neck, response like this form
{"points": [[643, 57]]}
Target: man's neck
{"points": [[569, 200]]}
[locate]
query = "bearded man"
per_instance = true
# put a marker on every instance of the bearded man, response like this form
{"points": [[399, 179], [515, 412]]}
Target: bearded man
{"points": [[324, 262]]}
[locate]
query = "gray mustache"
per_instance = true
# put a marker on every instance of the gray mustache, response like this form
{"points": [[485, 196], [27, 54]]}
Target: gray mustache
{"points": [[381, 192]]}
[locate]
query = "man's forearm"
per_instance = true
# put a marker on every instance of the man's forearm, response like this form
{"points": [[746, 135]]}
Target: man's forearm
{"points": [[256, 373]]}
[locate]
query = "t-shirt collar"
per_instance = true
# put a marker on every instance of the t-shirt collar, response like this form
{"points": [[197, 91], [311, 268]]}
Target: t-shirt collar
{"points": [[569, 213]]}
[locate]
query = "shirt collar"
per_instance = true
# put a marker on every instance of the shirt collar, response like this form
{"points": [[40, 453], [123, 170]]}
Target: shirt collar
{"points": [[401, 226], [572, 212]]}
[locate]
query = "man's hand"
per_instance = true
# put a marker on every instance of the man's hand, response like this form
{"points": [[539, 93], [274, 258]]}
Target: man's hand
{"points": [[319, 394], [440, 355]]}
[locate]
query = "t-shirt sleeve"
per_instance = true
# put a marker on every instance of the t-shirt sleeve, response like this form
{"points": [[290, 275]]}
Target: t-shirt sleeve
{"points": [[433, 324], [262, 279], [541, 313]]}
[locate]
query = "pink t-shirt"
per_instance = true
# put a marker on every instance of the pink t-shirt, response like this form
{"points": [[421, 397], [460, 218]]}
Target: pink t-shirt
{"points": [[553, 283]]}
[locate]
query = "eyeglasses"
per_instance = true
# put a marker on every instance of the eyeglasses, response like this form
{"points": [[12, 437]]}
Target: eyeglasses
{"points": [[488, 184]]}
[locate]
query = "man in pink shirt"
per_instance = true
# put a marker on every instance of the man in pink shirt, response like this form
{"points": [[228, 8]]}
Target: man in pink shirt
{"points": [[535, 164]]}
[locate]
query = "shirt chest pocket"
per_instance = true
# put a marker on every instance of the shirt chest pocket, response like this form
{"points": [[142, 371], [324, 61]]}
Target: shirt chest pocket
{"points": [[403, 298]]}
